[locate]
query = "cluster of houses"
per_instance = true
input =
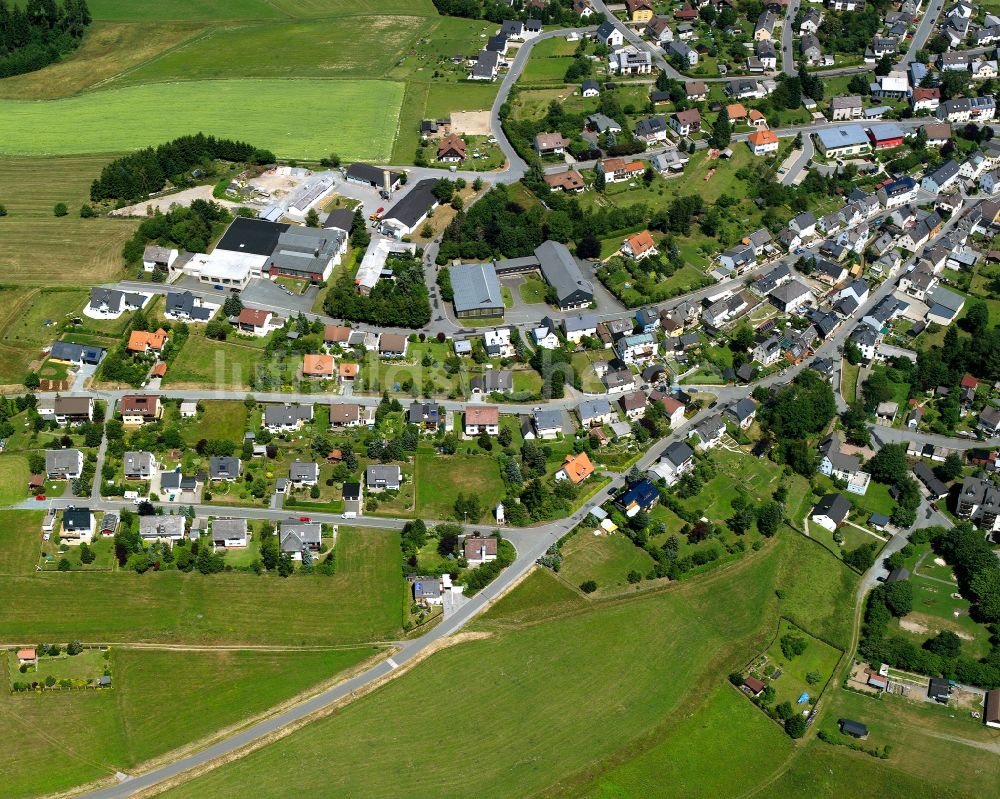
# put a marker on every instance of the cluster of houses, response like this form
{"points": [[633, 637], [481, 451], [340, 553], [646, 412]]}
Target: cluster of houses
{"points": [[487, 63], [476, 549]]}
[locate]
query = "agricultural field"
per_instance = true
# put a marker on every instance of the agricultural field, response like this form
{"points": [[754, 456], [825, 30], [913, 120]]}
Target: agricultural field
{"points": [[361, 602], [617, 697], [224, 10], [356, 118], [197, 693], [36, 248]]}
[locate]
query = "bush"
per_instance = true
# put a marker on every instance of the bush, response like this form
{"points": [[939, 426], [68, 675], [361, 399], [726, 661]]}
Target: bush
{"points": [[793, 645], [795, 726], [588, 586], [60, 209]]}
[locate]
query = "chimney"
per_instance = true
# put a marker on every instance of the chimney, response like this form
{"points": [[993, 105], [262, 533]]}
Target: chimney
{"points": [[385, 181]]}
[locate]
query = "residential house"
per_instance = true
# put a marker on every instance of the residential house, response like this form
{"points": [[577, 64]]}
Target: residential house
{"points": [[843, 140], [842, 108], [426, 415], [78, 526], [831, 511], [945, 305], [580, 326], [636, 348], [139, 465], [63, 464], [682, 52], [633, 404], [255, 322], [141, 341], [743, 412], [595, 412], [550, 144], [346, 414], [608, 35], [763, 142], [229, 533], [543, 424], [940, 178], [162, 528], [642, 496], [224, 468], [842, 466], [492, 381], [686, 122], [478, 550], [383, 477], [709, 432], [639, 246], [979, 501], [298, 537], [286, 418], [651, 129], [451, 149], [482, 419], [575, 468], [303, 473], [790, 296], [138, 409], [76, 354], [676, 461]]}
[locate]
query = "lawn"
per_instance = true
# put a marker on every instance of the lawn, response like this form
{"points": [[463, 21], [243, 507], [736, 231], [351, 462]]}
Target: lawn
{"points": [[14, 476], [356, 118], [849, 380], [614, 693], [360, 603], [818, 658], [161, 700], [605, 559], [690, 755], [440, 479], [88, 665], [935, 610], [922, 736], [540, 595], [532, 290], [205, 363], [251, 9], [28, 322], [225, 419]]}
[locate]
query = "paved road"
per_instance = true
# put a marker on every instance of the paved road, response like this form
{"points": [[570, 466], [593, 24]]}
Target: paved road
{"points": [[787, 54]]}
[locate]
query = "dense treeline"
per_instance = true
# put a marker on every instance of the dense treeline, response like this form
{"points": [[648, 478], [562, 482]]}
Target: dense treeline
{"points": [[40, 33], [978, 354], [799, 410], [400, 302], [191, 229], [137, 175], [555, 12]]}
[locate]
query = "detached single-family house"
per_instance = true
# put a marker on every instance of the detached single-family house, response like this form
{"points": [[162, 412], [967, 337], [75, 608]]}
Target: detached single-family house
{"points": [[383, 477], [297, 537], [595, 412], [576, 468], [831, 511], [227, 533], [479, 550], [482, 419], [63, 464]]}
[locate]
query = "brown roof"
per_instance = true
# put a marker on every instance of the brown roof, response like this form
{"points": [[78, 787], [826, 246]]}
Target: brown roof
{"points": [[453, 143], [144, 404], [482, 414], [338, 334], [754, 684], [570, 180], [926, 94], [341, 413], [36, 480], [392, 342], [475, 544], [254, 317], [72, 405], [938, 130], [549, 141], [992, 711], [693, 87], [688, 117], [633, 400], [159, 370]]}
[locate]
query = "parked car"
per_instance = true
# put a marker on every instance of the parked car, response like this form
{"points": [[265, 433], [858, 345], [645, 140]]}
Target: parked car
{"points": [[303, 518]]}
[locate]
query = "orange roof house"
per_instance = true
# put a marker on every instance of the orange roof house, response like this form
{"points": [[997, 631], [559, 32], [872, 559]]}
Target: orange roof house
{"points": [[348, 371], [576, 468], [159, 370], [762, 141], [143, 341], [736, 112], [757, 119], [317, 366], [26, 656], [639, 245]]}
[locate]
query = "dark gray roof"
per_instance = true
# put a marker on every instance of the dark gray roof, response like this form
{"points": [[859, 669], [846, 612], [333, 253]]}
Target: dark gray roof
{"points": [[340, 219], [417, 202], [256, 236], [366, 173], [296, 536], [834, 506], [303, 470], [563, 273], [223, 466], [286, 415], [67, 351]]}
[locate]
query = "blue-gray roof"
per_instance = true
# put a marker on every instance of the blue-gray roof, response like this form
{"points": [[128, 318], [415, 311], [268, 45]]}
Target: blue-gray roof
{"points": [[842, 136], [476, 287]]}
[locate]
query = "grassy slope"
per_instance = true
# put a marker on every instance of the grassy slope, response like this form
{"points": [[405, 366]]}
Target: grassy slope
{"points": [[542, 725], [108, 49], [14, 476], [360, 603], [161, 700]]}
